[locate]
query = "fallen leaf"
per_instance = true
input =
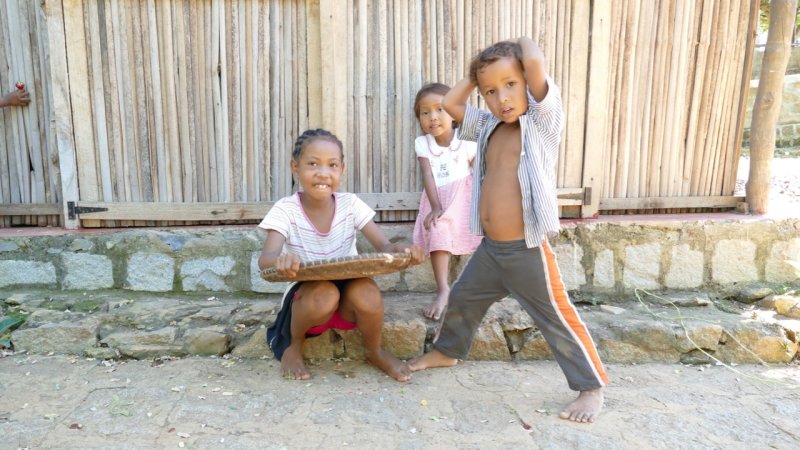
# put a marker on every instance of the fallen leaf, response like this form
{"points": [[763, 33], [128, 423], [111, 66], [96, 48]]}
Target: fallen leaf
{"points": [[526, 426], [171, 430]]}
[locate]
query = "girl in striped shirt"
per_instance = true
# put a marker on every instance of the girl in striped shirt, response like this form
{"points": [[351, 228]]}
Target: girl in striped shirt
{"points": [[320, 223]]}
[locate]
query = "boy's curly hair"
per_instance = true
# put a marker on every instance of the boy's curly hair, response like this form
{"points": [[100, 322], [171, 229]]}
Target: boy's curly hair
{"points": [[502, 49], [312, 135]]}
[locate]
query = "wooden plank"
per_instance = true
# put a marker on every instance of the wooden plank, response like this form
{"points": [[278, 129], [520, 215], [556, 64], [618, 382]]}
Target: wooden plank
{"points": [[112, 106], [140, 74], [669, 202], [596, 143], [154, 81], [81, 101], [29, 209], [183, 92], [576, 100], [62, 119], [216, 103]]}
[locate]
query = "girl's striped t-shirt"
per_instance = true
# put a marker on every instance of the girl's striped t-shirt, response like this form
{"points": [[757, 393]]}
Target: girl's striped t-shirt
{"points": [[288, 218]]}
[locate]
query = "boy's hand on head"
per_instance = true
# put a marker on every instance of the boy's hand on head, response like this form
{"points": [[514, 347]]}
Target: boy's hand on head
{"points": [[288, 264]]}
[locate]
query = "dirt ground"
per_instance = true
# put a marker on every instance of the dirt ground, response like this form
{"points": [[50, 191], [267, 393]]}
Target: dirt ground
{"points": [[69, 402]]}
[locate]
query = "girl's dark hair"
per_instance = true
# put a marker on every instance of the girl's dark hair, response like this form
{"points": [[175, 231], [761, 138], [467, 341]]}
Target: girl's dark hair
{"points": [[312, 135], [430, 88], [502, 49]]}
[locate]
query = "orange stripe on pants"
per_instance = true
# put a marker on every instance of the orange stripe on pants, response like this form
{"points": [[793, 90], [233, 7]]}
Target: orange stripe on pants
{"points": [[569, 313]]}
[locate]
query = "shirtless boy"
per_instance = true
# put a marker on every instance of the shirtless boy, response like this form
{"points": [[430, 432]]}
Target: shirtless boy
{"points": [[515, 208]]}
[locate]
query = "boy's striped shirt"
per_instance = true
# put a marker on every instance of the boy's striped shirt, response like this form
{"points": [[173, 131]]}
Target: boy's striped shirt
{"points": [[541, 135]]}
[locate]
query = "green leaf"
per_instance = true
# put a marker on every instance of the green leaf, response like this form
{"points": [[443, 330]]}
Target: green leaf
{"points": [[9, 324]]}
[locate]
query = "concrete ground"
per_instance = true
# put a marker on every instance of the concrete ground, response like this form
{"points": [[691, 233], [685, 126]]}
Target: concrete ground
{"points": [[206, 403]]}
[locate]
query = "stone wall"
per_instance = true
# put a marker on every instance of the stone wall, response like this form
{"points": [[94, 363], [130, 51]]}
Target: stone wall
{"points": [[594, 256]]}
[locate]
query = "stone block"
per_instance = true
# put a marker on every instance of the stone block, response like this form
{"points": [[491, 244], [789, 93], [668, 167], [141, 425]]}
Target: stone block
{"points": [[259, 284], [325, 346], [150, 272], [604, 270], [685, 269], [569, 258], [61, 337], [254, 347], [642, 266], [489, 343], [404, 339], [754, 342], [419, 278], [733, 261], [87, 271], [783, 265], [206, 341], [207, 274], [15, 272], [534, 348], [163, 336]]}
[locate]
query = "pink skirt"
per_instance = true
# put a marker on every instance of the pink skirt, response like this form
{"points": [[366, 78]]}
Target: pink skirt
{"points": [[451, 231]]}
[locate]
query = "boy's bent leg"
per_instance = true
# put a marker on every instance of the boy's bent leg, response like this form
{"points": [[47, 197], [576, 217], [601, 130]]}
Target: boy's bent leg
{"points": [[477, 288], [362, 304], [315, 304], [540, 290]]}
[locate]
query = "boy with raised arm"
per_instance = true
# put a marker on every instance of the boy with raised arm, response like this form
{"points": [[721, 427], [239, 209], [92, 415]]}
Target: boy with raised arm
{"points": [[515, 208]]}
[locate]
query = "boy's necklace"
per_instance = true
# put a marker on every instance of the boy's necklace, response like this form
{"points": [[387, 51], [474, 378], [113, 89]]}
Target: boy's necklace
{"points": [[449, 146]]}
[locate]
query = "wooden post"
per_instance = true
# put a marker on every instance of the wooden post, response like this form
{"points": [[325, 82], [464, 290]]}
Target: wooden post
{"points": [[61, 109], [768, 102]]}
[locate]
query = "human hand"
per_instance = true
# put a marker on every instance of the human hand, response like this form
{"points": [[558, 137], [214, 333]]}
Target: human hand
{"points": [[432, 217], [288, 264], [17, 97], [530, 50], [417, 254]]}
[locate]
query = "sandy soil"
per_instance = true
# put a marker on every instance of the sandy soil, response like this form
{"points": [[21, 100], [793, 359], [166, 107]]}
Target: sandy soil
{"points": [[62, 402]]}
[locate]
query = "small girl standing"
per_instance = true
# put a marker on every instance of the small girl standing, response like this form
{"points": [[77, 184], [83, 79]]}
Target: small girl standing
{"points": [[442, 226], [320, 223]]}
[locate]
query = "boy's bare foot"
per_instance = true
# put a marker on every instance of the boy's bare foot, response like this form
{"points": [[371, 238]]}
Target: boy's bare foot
{"points": [[292, 366], [585, 408], [434, 358], [436, 309], [390, 364]]}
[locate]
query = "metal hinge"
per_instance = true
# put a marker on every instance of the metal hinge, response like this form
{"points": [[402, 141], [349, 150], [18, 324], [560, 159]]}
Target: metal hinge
{"points": [[73, 210]]}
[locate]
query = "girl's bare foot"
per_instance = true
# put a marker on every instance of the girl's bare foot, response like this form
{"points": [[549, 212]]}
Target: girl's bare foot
{"points": [[390, 364], [292, 366], [434, 358], [585, 408], [436, 309]]}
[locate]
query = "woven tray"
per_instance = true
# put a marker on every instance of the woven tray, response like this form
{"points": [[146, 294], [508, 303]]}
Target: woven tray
{"points": [[346, 267]]}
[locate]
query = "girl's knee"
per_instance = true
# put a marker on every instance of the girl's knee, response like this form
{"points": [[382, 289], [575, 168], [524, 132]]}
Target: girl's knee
{"points": [[363, 293], [322, 295]]}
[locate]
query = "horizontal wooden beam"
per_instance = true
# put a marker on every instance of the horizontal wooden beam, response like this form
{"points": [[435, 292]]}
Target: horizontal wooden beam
{"points": [[723, 201], [29, 209]]}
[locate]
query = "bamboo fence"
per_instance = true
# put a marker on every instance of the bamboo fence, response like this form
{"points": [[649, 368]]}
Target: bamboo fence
{"points": [[152, 105]]}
